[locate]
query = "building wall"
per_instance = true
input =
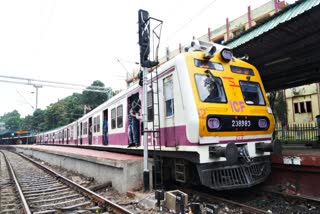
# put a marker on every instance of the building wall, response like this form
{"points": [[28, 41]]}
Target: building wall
{"points": [[303, 103]]}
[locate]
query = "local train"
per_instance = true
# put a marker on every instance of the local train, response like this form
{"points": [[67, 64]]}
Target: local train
{"points": [[215, 122]]}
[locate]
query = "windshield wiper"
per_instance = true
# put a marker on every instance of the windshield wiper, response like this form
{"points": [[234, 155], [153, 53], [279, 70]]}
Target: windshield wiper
{"points": [[212, 77]]}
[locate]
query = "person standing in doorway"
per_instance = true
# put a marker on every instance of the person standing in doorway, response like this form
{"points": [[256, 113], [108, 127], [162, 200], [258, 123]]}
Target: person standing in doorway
{"points": [[130, 129], [134, 112]]}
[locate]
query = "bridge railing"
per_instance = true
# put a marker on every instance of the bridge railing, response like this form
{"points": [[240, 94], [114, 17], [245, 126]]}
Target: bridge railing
{"points": [[297, 133]]}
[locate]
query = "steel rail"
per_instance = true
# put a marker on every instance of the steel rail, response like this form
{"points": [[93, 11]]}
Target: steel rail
{"points": [[26, 208], [216, 198], [288, 195], [99, 199]]}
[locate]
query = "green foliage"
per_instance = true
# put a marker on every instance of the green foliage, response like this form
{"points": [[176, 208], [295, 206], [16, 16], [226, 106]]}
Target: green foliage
{"points": [[38, 120], [60, 113], [56, 115], [279, 106], [93, 99], [12, 120]]}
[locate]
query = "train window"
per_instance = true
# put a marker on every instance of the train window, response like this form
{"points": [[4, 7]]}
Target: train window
{"points": [[113, 118], [119, 116], [251, 92], [98, 123], [210, 89], [208, 64], [168, 96], [85, 128], [71, 132], [241, 70], [94, 125]]}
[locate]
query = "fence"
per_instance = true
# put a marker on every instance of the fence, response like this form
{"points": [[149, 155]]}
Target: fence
{"points": [[297, 133]]}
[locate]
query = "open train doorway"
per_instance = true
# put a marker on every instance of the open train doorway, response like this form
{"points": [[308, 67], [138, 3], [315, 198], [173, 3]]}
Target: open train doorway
{"points": [[90, 131], [62, 136], [67, 136], [134, 120], [105, 126]]}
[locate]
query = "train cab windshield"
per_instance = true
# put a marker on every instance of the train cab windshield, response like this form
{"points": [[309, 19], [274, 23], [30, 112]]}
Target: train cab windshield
{"points": [[251, 92], [210, 89]]}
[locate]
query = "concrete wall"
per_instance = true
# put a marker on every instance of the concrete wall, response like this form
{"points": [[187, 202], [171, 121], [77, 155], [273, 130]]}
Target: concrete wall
{"points": [[124, 175]]}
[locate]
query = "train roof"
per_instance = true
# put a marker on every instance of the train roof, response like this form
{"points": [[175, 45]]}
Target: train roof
{"points": [[195, 46]]}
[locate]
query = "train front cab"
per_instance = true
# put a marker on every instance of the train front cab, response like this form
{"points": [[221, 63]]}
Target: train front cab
{"points": [[235, 120]]}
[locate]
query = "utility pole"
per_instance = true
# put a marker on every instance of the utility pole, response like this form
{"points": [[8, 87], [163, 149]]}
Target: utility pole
{"points": [[37, 87]]}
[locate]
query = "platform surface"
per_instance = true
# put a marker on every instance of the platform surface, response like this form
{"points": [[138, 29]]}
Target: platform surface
{"points": [[298, 155], [85, 152]]}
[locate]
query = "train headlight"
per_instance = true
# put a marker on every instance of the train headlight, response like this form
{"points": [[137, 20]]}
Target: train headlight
{"points": [[213, 123], [226, 54], [263, 123]]}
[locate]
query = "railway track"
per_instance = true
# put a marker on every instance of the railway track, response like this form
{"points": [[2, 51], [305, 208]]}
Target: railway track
{"points": [[9, 198], [220, 204], [41, 190], [257, 201]]}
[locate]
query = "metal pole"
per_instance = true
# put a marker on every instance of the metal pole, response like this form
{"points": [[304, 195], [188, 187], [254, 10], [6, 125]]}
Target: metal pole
{"points": [[37, 87], [36, 97], [145, 133]]}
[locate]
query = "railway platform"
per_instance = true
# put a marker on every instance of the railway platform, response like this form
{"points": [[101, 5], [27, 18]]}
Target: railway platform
{"points": [[297, 170], [124, 171]]}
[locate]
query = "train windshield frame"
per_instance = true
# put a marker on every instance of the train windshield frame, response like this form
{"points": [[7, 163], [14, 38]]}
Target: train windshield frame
{"points": [[210, 90], [252, 93]]}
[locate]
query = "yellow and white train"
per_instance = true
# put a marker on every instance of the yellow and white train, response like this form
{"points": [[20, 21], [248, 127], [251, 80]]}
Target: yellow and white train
{"points": [[215, 125]]}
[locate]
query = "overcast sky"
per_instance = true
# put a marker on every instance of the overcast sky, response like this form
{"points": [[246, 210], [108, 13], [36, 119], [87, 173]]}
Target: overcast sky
{"points": [[78, 41]]}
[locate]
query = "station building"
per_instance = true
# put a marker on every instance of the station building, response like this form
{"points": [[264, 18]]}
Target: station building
{"points": [[303, 104]]}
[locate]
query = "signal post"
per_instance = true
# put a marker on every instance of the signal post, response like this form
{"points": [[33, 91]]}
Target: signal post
{"points": [[144, 43]]}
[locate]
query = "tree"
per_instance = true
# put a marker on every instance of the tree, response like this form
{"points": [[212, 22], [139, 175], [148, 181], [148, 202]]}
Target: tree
{"points": [[279, 106], [56, 115], [26, 123], [38, 121], [94, 99], [12, 120], [74, 107], [60, 113]]}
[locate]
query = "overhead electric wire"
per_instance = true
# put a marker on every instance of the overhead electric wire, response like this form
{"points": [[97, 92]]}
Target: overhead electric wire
{"points": [[25, 99], [122, 65], [56, 86], [189, 21], [32, 81]]}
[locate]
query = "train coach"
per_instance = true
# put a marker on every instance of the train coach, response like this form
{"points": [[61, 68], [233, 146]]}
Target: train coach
{"points": [[208, 118]]}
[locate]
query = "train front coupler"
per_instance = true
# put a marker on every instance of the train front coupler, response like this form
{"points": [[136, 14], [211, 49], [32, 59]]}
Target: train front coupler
{"points": [[230, 152]]}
